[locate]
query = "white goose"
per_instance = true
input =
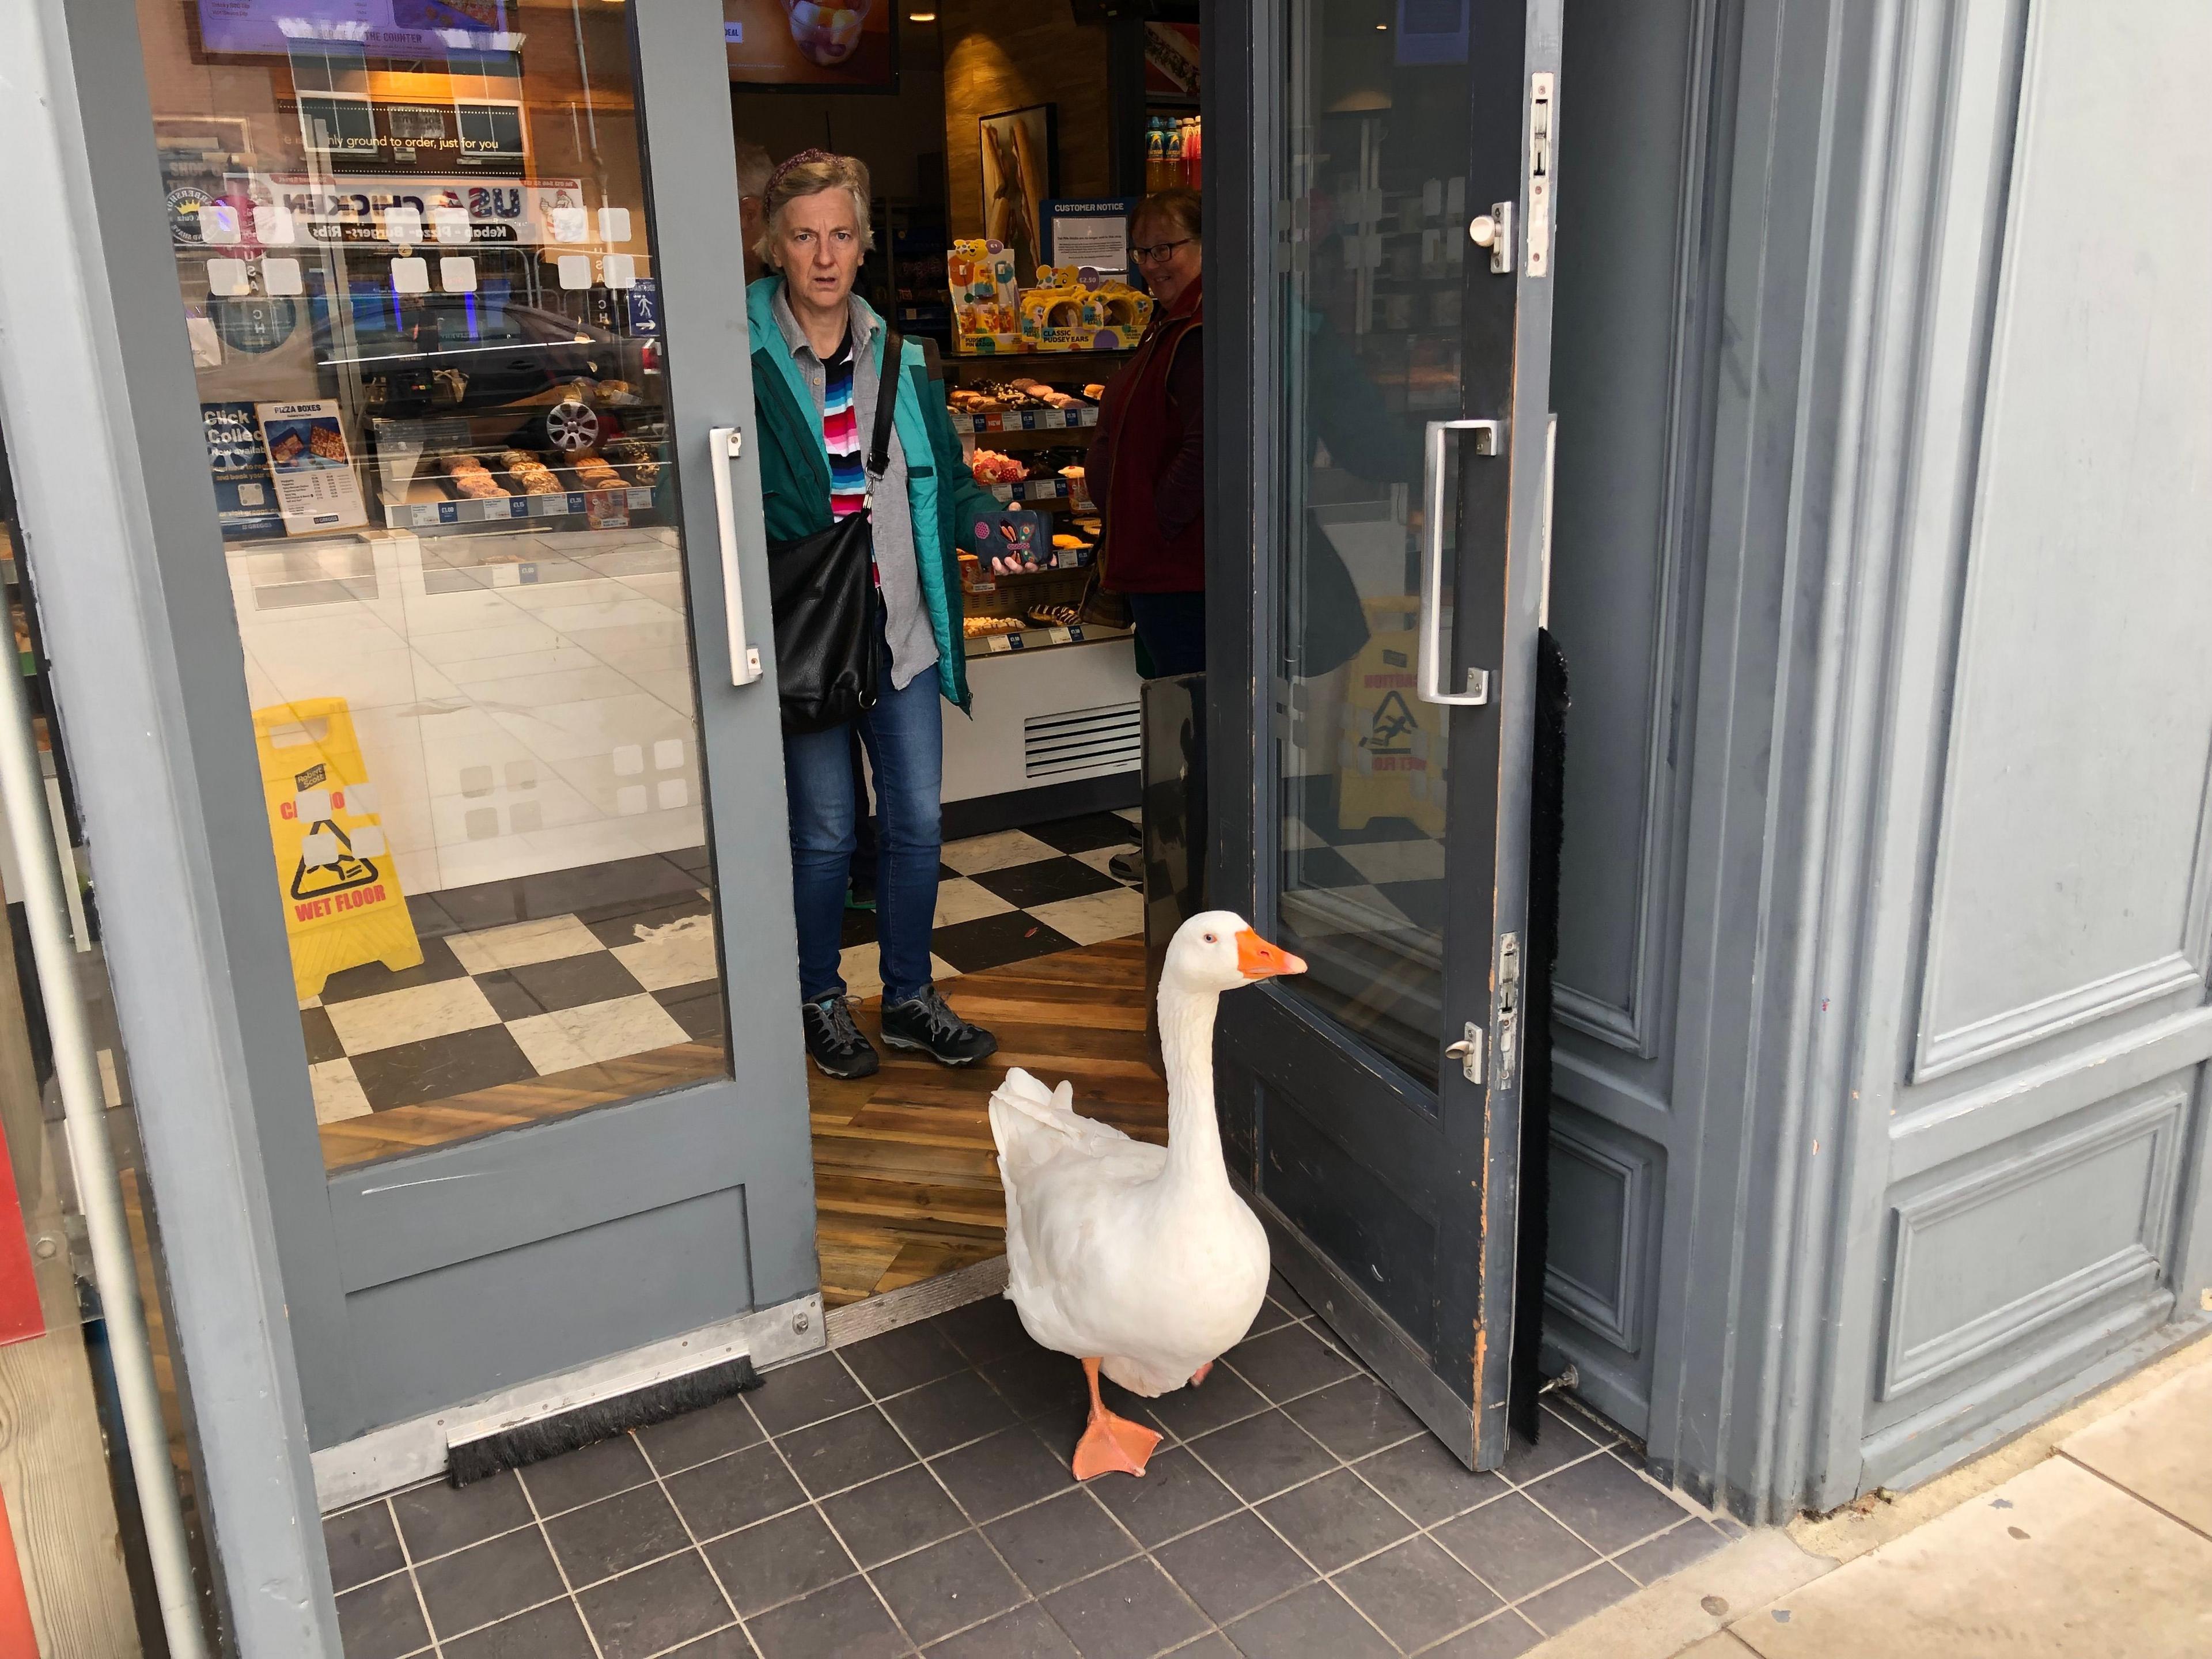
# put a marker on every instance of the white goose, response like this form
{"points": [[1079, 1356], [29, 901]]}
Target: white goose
{"points": [[1138, 1259]]}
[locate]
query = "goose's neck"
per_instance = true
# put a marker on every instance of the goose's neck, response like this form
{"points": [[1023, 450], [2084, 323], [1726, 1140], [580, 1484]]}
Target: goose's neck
{"points": [[1187, 1045]]}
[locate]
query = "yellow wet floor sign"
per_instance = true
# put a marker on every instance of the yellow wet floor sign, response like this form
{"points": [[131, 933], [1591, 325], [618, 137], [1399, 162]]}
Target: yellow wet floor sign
{"points": [[342, 906], [1390, 763]]}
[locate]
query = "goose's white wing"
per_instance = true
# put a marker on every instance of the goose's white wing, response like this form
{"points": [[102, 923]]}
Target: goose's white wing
{"points": [[1067, 1178]]}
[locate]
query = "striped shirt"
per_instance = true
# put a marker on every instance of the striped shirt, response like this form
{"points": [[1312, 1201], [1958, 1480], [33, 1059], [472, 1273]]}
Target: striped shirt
{"points": [[841, 433]]}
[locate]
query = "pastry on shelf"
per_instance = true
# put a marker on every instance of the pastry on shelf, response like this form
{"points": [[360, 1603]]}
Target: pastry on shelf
{"points": [[1055, 616], [976, 628]]}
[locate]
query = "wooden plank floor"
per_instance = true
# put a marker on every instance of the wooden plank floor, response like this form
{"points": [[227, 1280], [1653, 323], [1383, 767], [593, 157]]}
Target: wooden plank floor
{"points": [[906, 1181]]}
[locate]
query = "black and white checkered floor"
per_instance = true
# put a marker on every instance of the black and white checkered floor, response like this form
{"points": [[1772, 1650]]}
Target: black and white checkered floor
{"points": [[542, 974]]}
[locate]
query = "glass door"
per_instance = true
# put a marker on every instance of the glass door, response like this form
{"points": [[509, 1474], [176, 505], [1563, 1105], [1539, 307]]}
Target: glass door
{"points": [[1405, 344], [459, 279]]}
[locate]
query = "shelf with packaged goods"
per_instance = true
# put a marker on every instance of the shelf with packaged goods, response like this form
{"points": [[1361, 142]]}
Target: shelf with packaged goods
{"points": [[1042, 638], [1025, 422], [958, 359], [1054, 494]]}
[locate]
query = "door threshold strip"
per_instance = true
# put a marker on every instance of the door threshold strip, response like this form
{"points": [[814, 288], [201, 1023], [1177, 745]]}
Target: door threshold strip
{"points": [[909, 1305]]}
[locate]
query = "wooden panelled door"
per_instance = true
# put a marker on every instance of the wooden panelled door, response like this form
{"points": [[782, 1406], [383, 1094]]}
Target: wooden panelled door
{"points": [[1397, 366]]}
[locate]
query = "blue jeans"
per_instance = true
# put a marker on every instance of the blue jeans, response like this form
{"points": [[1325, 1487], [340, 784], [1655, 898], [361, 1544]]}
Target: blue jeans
{"points": [[905, 738]]}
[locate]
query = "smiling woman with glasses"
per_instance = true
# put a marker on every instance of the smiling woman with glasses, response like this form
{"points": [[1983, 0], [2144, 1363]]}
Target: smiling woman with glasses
{"points": [[1147, 464]]}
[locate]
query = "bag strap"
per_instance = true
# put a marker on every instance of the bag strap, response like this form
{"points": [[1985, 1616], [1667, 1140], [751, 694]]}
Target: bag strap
{"points": [[887, 385]]}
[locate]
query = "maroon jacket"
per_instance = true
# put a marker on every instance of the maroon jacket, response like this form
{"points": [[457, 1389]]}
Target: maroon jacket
{"points": [[1146, 469]]}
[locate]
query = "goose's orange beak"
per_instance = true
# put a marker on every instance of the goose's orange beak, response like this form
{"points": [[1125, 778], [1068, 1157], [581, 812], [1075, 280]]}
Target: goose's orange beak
{"points": [[1258, 959]]}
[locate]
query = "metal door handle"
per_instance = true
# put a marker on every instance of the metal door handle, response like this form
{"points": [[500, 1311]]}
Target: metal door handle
{"points": [[724, 445], [1488, 437]]}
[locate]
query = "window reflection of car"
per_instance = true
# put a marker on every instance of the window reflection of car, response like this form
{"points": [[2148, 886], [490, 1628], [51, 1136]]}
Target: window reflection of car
{"points": [[470, 353]]}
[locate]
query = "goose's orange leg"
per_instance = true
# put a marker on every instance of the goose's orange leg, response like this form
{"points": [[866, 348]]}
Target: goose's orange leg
{"points": [[1199, 1376], [1111, 1444]]}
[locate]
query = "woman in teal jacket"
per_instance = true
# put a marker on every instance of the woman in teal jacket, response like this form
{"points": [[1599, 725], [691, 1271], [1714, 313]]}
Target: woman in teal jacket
{"points": [[817, 353]]}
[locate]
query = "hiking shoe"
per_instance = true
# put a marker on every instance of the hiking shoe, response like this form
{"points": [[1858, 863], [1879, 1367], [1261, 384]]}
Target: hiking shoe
{"points": [[1128, 868], [835, 1042], [927, 1022]]}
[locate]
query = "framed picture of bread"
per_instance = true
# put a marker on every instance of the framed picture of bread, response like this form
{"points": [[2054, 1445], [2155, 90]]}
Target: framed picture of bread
{"points": [[1021, 165]]}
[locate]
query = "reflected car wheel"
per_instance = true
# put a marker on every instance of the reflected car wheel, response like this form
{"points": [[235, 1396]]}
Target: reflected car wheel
{"points": [[571, 427]]}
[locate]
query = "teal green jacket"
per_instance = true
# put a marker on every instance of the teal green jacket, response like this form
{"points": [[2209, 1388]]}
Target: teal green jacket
{"points": [[794, 465]]}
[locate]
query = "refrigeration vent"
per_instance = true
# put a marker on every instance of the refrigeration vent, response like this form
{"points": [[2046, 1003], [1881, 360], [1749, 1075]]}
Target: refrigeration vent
{"points": [[1082, 742]]}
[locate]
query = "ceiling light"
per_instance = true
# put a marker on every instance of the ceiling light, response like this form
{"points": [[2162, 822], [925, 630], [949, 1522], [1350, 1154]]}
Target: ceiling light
{"points": [[922, 18]]}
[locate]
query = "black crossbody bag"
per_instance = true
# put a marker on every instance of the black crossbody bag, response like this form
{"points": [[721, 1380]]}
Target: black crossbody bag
{"points": [[822, 590]]}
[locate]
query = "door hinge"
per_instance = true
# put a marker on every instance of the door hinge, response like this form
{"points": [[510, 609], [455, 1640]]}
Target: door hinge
{"points": [[1509, 1006], [1541, 88], [1468, 1052]]}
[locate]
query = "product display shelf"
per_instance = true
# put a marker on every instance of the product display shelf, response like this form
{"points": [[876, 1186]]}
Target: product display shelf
{"points": [[1035, 359], [1021, 423], [1054, 492], [1043, 639]]}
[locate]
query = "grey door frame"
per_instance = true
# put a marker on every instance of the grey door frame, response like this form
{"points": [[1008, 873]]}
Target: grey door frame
{"points": [[100, 401], [1506, 377]]}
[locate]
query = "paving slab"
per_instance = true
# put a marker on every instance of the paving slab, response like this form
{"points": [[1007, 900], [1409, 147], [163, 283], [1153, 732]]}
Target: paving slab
{"points": [[2159, 1447], [2055, 1564]]}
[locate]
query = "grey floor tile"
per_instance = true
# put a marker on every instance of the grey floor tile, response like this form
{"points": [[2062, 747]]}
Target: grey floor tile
{"points": [[1606, 1503], [1315, 1623], [728, 1643], [947, 1587], [1175, 1495], [889, 1517], [1129, 1611], [948, 1412], [583, 1477], [554, 1631], [1558, 1443], [1007, 1470], [903, 1358], [844, 1451], [1263, 1455], [1586, 1593], [1062, 1538], [1427, 1481], [489, 1581], [362, 1544], [734, 1491], [1233, 1566], [1273, 1315], [778, 1560], [654, 1607], [1354, 1417], [1212, 1645], [711, 1432], [1334, 1520], [1670, 1552], [1223, 1398], [1035, 1381], [1416, 1593], [1515, 1546], [845, 1621], [986, 1330], [1027, 1632], [382, 1620], [615, 1534], [1504, 1635], [1287, 1363], [791, 1396], [1278, 1289], [438, 1518]]}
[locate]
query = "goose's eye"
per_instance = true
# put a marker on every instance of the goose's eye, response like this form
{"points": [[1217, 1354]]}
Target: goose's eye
{"points": [[1213, 938]]}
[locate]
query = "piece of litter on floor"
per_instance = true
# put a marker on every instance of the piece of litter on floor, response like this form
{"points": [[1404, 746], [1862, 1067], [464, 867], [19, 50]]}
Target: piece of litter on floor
{"points": [[2015, 1532], [1714, 1605], [2001, 1503], [1781, 1615]]}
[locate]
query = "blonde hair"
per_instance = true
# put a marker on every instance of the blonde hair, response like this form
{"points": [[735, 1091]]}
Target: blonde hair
{"points": [[810, 173], [1178, 206]]}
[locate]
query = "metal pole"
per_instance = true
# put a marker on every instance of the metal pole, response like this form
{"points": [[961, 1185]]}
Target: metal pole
{"points": [[77, 1069]]}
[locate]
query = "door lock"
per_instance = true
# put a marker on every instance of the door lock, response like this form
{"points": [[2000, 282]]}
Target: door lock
{"points": [[1494, 230], [1467, 1051], [1508, 1007]]}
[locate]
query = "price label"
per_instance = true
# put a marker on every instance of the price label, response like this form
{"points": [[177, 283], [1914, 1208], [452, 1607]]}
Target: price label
{"points": [[1059, 635], [996, 642]]}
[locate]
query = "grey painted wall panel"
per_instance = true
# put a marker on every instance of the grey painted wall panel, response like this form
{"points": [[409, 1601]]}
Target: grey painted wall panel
{"points": [[1626, 77], [2072, 874]]}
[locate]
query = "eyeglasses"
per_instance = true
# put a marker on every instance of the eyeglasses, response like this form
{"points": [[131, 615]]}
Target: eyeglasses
{"points": [[1159, 254]]}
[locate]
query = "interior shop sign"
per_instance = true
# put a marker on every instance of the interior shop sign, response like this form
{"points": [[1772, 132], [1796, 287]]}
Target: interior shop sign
{"points": [[285, 209]]}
